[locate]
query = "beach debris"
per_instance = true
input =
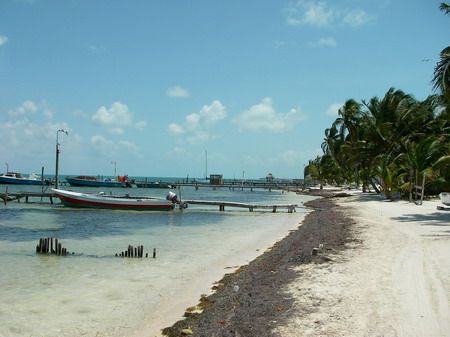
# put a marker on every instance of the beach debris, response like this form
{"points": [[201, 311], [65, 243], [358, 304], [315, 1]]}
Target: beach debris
{"points": [[315, 251], [51, 246], [187, 332], [193, 311], [135, 252]]}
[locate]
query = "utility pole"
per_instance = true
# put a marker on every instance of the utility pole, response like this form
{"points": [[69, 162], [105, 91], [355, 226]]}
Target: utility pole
{"points": [[57, 154], [206, 165], [115, 164]]}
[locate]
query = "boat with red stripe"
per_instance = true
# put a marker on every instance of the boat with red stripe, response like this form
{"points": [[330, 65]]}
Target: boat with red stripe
{"points": [[104, 201]]}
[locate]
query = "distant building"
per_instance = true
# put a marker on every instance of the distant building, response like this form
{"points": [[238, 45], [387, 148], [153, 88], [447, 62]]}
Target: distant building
{"points": [[270, 178], [216, 179]]}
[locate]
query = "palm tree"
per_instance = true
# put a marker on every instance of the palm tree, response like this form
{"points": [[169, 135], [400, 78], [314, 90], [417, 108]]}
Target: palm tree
{"points": [[390, 175], [444, 7], [441, 77], [422, 158]]}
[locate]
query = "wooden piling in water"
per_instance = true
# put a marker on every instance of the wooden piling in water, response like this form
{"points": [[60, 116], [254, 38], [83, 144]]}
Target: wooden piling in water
{"points": [[51, 246], [137, 251]]}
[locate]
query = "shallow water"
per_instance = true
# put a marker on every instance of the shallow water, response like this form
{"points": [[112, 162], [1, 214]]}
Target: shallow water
{"points": [[96, 294]]}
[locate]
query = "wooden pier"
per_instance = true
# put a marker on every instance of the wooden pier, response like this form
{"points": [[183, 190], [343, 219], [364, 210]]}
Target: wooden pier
{"points": [[222, 204], [18, 196]]}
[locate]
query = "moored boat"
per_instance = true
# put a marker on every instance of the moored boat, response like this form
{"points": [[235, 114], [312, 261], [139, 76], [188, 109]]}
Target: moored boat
{"points": [[17, 179], [90, 181], [445, 198], [101, 200]]}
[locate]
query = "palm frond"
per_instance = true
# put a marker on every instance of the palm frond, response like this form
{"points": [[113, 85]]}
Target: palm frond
{"points": [[441, 76], [444, 7]]}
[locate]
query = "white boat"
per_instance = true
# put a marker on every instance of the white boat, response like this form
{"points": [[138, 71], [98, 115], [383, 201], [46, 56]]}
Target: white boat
{"points": [[102, 200], [445, 198]]}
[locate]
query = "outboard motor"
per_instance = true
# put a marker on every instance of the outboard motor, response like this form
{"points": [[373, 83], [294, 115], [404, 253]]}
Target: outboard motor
{"points": [[172, 197]]}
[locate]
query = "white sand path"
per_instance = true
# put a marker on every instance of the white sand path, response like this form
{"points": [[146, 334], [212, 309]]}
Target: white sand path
{"points": [[395, 283]]}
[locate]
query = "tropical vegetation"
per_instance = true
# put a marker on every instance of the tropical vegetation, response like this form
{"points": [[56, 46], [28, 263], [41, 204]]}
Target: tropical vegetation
{"points": [[392, 143]]}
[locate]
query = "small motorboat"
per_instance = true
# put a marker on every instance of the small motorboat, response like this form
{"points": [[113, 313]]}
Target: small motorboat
{"points": [[18, 179], [445, 198], [90, 181], [105, 201]]}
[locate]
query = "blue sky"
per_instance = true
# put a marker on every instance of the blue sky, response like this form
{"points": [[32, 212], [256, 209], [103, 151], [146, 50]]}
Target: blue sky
{"points": [[152, 85]]}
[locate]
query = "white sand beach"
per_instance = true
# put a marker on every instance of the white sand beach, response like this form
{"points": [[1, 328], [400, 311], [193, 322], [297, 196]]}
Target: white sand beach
{"points": [[394, 282]]}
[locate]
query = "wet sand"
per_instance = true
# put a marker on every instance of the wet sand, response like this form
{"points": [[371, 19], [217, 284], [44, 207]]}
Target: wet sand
{"points": [[251, 301], [381, 269]]}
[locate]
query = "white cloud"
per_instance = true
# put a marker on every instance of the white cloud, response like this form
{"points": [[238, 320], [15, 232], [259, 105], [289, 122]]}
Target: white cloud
{"points": [[263, 117], [116, 118], [30, 137], [197, 126], [324, 42], [320, 14], [175, 129], [333, 109], [177, 91], [140, 125], [309, 13], [128, 146], [213, 113], [355, 18], [107, 147], [27, 107], [3, 40]]}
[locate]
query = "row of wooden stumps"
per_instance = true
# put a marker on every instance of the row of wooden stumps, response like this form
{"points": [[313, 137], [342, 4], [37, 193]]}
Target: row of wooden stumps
{"points": [[51, 246], [135, 252]]}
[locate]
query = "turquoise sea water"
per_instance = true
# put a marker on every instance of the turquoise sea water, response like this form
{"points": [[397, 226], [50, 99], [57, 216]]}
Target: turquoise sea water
{"points": [[97, 294]]}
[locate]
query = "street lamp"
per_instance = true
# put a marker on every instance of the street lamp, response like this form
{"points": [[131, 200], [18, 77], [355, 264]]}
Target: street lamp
{"points": [[57, 154]]}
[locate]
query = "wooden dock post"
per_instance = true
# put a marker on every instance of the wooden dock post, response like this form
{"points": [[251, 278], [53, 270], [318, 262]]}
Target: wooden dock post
{"points": [[5, 199], [46, 245], [132, 251]]}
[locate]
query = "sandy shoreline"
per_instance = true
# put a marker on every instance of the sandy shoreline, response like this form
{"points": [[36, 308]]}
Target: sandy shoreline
{"points": [[383, 270], [200, 280], [399, 277]]}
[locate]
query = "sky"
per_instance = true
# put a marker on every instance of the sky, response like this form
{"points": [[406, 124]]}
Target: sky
{"points": [[150, 87]]}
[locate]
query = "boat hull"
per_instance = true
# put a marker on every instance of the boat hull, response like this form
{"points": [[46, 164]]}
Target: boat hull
{"points": [[19, 181], [445, 198], [94, 183], [82, 200]]}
